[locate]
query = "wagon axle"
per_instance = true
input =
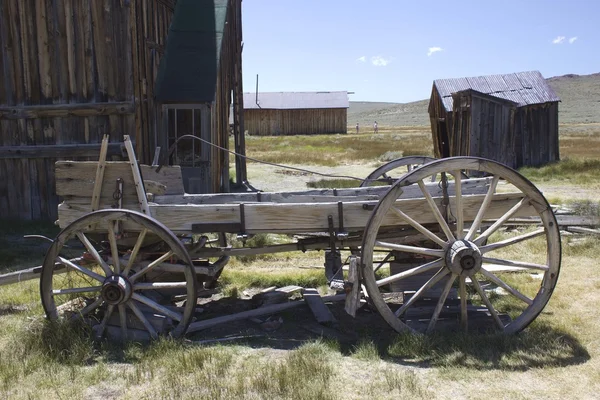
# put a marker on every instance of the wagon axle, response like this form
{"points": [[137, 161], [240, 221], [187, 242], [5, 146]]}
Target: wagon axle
{"points": [[463, 258], [116, 290]]}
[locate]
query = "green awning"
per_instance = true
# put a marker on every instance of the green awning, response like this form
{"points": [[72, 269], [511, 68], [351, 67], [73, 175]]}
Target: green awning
{"points": [[188, 69]]}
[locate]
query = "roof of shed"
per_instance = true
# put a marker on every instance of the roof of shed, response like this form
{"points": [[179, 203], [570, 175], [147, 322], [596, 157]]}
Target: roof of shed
{"points": [[296, 100], [188, 69], [523, 88]]}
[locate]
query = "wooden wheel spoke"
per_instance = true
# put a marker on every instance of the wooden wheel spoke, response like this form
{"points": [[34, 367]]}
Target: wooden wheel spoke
{"points": [[436, 211], [484, 206], [161, 309], [112, 239], [102, 326], [440, 303], [58, 292], [411, 249], [501, 221], [123, 320], [88, 309], [419, 227], [94, 253], [134, 252], [138, 313], [510, 241], [81, 269], [460, 213], [511, 263], [159, 285], [505, 286], [413, 271], [487, 303], [151, 266], [464, 312], [432, 281]]}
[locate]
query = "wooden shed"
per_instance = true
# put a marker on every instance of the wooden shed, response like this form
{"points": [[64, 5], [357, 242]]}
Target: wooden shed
{"points": [[296, 113], [510, 118], [75, 70]]}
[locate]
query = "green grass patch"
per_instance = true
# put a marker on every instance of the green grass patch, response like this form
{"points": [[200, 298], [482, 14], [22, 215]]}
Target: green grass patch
{"points": [[337, 183], [366, 350], [332, 150], [240, 279], [576, 171]]}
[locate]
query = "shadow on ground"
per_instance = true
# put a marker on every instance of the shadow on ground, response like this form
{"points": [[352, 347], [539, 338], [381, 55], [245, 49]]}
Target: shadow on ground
{"points": [[540, 345]]}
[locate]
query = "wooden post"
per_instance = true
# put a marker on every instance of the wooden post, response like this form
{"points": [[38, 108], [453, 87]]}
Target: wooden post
{"points": [[353, 297], [99, 174]]}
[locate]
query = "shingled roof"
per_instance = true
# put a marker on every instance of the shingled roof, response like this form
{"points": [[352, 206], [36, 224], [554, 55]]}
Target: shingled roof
{"points": [[523, 88], [296, 100], [188, 69]]}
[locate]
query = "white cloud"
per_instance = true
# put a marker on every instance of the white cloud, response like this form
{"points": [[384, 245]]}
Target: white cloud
{"points": [[559, 40], [572, 40], [361, 59], [379, 61], [433, 50]]}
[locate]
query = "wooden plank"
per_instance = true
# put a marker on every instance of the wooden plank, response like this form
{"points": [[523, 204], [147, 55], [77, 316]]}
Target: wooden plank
{"points": [[271, 309], [317, 306], [305, 217], [76, 178], [67, 110], [469, 186], [562, 220], [587, 231], [58, 151]]}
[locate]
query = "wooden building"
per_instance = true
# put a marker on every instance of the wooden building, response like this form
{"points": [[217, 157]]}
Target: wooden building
{"points": [[510, 118], [296, 113], [75, 70]]}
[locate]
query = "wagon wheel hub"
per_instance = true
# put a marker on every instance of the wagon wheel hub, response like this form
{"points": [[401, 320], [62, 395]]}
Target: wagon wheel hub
{"points": [[116, 290], [463, 258]]}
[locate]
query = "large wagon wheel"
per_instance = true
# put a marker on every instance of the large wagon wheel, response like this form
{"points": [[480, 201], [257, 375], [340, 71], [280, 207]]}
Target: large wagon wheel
{"points": [[390, 172], [117, 280], [456, 252]]}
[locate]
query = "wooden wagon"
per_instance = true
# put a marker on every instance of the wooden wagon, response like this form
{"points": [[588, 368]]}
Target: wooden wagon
{"points": [[432, 239]]}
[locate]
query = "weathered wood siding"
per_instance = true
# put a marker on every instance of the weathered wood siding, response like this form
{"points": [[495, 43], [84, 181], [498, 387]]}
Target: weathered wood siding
{"points": [[72, 71], [484, 126], [441, 125], [295, 122], [536, 131], [226, 75]]}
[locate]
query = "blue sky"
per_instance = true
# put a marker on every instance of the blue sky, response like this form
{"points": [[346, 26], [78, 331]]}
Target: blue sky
{"points": [[392, 50]]}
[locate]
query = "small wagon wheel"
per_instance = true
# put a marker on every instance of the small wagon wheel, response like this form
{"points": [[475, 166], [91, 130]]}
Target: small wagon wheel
{"points": [[390, 172], [464, 250], [117, 279]]}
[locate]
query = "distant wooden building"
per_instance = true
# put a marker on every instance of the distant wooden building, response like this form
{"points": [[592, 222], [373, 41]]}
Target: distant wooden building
{"points": [[295, 113], [510, 118], [75, 70]]}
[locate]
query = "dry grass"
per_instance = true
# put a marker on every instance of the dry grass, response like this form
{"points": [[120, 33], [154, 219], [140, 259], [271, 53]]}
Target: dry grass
{"points": [[331, 150], [556, 357]]}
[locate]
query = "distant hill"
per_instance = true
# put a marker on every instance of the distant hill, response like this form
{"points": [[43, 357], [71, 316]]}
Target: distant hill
{"points": [[580, 98], [388, 114], [579, 94]]}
